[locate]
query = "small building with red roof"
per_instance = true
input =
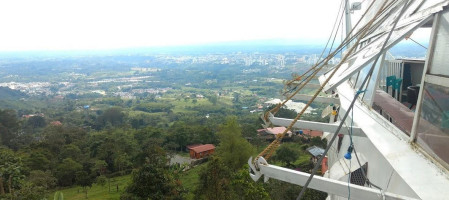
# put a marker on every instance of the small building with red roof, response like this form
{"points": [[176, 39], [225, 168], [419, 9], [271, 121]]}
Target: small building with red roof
{"points": [[312, 133], [201, 151], [191, 146], [270, 133]]}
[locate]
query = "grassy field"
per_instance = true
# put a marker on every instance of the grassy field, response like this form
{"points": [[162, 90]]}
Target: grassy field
{"points": [[190, 180], [97, 191], [181, 105]]}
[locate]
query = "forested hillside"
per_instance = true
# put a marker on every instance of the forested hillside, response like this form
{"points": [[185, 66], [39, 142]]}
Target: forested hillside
{"points": [[130, 121]]}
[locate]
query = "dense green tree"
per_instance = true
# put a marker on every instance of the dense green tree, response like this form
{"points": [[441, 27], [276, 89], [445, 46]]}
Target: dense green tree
{"points": [[148, 135], [286, 154], [113, 116], [154, 180], [136, 122], [215, 181], [85, 180], [122, 162], [233, 148], [69, 104], [280, 190], [70, 151], [56, 137], [245, 188], [100, 167], [204, 135], [181, 134], [42, 179], [317, 141], [38, 160], [65, 172], [249, 130], [9, 126], [108, 145], [36, 122], [29, 191], [236, 97], [12, 182], [143, 120], [213, 99], [11, 171], [101, 180]]}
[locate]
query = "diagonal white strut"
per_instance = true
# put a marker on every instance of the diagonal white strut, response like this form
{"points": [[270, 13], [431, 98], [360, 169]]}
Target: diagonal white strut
{"points": [[318, 126], [331, 186]]}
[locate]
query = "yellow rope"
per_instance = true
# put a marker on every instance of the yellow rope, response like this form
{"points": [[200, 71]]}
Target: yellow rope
{"points": [[267, 152]]}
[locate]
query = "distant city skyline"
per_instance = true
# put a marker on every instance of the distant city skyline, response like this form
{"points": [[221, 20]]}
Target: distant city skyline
{"points": [[83, 24]]}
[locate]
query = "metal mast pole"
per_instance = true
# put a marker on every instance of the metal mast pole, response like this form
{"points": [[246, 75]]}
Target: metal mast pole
{"points": [[348, 18]]}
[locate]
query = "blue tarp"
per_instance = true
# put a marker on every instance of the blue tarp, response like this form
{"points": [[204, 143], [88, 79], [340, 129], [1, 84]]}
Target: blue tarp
{"points": [[315, 151]]}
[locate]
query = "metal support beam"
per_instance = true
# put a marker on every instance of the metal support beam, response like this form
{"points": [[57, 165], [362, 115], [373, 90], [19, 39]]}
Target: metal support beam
{"points": [[318, 126], [331, 186], [329, 100], [428, 62]]}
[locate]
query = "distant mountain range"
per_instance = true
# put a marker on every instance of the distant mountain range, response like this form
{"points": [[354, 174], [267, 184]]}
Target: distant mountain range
{"points": [[403, 49], [409, 49]]}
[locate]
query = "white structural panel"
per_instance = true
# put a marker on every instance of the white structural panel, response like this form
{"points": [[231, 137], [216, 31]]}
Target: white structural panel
{"points": [[331, 186], [414, 18], [318, 126], [418, 171], [303, 97]]}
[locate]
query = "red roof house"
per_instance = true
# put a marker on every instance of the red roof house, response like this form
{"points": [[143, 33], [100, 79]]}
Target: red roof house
{"points": [[201, 151], [191, 146], [312, 133], [272, 132]]}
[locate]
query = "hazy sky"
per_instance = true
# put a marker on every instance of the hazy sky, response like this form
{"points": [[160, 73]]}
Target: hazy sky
{"points": [[98, 24], [86, 24]]}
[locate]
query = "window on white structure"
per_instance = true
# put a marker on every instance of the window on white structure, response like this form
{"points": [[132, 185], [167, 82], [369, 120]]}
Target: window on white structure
{"points": [[433, 126]]}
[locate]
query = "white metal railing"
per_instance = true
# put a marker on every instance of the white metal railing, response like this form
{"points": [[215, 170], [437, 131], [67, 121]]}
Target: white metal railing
{"points": [[391, 68]]}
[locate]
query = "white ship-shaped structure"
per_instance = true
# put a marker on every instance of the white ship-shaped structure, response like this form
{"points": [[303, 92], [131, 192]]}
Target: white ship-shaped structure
{"points": [[389, 136]]}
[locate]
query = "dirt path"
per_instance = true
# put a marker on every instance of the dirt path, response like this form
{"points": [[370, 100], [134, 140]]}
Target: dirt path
{"points": [[181, 160]]}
